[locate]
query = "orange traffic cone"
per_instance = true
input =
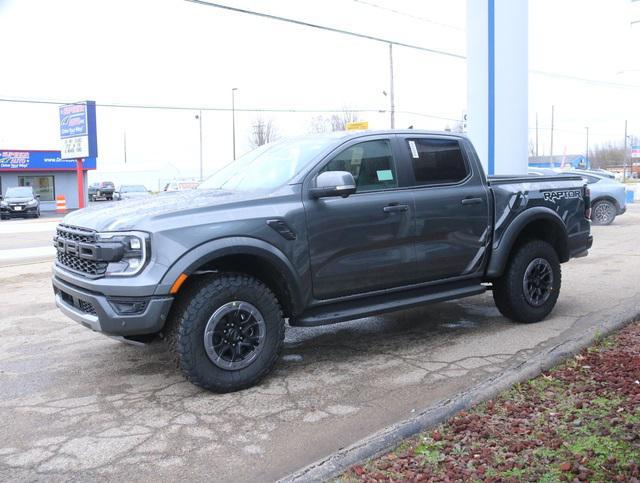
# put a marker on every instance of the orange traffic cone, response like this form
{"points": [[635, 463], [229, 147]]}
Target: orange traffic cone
{"points": [[61, 204]]}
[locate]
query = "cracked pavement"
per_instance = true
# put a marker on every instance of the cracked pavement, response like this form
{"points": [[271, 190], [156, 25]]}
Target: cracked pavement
{"points": [[75, 405]]}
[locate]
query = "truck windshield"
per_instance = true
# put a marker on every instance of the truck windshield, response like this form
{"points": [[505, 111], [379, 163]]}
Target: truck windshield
{"points": [[267, 167], [19, 192]]}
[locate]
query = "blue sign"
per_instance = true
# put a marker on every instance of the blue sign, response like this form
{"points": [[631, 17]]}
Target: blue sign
{"points": [[16, 160], [73, 120], [78, 130]]}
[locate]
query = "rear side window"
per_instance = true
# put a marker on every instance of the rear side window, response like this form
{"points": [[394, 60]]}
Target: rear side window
{"points": [[370, 163], [436, 161]]}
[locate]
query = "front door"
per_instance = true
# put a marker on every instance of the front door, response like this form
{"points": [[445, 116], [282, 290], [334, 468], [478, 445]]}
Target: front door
{"points": [[364, 242]]}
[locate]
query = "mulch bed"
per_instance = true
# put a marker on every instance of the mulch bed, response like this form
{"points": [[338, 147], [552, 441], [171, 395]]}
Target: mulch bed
{"points": [[577, 422]]}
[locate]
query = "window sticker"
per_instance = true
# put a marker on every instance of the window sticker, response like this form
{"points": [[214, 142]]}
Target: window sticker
{"points": [[414, 150], [385, 175]]}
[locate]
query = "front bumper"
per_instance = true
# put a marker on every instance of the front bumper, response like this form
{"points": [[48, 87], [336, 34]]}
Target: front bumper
{"points": [[12, 212], [96, 312], [622, 211]]}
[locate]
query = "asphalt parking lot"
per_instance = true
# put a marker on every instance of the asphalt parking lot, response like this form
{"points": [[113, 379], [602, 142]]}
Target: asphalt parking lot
{"points": [[76, 405]]}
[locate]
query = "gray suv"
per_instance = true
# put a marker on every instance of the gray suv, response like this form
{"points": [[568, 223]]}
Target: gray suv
{"points": [[316, 230]]}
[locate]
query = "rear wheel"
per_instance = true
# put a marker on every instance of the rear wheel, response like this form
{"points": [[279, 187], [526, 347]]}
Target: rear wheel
{"points": [[603, 212], [529, 288], [226, 331]]}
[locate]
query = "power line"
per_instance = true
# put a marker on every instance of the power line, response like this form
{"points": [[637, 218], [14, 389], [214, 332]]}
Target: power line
{"points": [[225, 109], [402, 44], [584, 79], [328, 29], [408, 15]]}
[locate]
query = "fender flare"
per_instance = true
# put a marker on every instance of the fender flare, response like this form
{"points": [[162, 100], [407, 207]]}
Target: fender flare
{"points": [[502, 249], [209, 251]]}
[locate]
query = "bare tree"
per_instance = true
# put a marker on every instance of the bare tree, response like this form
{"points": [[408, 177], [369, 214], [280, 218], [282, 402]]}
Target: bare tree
{"points": [[339, 121], [263, 132], [319, 124]]}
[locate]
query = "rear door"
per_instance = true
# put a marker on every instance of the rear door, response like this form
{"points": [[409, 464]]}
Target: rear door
{"points": [[452, 207], [364, 242]]}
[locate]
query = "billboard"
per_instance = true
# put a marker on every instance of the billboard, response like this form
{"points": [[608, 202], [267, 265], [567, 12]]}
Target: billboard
{"points": [[635, 151], [78, 130], [21, 160]]}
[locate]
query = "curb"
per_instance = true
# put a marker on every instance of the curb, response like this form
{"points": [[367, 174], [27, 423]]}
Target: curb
{"points": [[387, 438]]}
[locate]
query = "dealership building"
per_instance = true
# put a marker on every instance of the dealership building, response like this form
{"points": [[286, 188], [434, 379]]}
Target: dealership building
{"points": [[48, 174]]}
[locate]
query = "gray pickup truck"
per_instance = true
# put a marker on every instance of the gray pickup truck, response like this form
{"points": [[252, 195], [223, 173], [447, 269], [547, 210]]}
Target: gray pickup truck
{"points": [[316, 230]]}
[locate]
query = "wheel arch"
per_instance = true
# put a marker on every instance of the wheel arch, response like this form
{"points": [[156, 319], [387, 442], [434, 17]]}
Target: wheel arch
{"points": [[538, 223], [248, 256]]}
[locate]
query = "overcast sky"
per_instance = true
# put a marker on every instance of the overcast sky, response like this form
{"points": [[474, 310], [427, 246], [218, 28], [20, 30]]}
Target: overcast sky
{"points": [[175, 53]]}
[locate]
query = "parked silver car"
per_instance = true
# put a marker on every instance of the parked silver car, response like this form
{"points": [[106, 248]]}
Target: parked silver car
{"points": [[129, 191], [608, 196]]}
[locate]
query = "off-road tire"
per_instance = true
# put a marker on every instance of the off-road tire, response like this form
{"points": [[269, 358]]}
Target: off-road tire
{"points": [[508, 291], [603, 212], [191, 311]]}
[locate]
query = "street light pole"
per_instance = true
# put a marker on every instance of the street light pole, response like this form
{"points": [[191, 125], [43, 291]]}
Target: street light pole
{"points": [[199, 116], [233, 119], [391, 90], [624, 155]]}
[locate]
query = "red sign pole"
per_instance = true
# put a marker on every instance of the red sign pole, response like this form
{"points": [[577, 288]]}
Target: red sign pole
{"points": [[80, 183]]}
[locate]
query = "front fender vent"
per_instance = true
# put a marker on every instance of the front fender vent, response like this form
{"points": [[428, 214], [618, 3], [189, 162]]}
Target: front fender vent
{"points": [[281, 227]]}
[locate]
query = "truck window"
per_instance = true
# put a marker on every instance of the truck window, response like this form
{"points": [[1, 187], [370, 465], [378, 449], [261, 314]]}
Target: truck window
{"points": [[436, 161], [370, 163]]}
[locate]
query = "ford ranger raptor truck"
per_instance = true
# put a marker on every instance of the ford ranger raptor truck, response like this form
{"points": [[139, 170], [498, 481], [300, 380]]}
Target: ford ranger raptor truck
{"points": [[316, 230]]}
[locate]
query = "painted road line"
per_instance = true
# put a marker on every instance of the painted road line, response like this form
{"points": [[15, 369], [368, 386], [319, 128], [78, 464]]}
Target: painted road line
{"points": [[25, 253]]}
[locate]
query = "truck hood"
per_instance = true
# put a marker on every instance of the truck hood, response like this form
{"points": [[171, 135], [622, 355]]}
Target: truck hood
{"points": [[138, 213]]}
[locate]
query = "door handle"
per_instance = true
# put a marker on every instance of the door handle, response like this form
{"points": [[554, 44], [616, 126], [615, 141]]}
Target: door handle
{"points": [[471, 201], [395, 208]]}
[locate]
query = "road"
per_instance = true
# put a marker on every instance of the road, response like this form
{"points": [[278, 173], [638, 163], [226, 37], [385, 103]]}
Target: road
{"points": [[76, 405]]}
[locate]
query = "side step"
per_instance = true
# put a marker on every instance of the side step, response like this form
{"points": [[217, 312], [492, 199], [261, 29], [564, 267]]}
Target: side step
{"points": [[379, 304]]}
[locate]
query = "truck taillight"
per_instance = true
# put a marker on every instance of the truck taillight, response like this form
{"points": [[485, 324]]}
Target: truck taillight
{"points": [[586, 195]]}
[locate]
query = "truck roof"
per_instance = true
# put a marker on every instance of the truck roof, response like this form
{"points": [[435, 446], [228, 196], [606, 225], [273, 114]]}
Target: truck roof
{"points": [[355, 134]]}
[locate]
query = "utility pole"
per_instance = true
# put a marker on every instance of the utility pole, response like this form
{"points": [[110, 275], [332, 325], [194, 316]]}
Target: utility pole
{"points": [[233, 119], [391, 91], [551, 148], [586, 156], [199, 116], [624, 167], [125, 146], [536, 134]]}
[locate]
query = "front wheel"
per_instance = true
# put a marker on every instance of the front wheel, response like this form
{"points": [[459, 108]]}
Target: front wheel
{"points": [[529, 288], [603, 212], [226, 331]]}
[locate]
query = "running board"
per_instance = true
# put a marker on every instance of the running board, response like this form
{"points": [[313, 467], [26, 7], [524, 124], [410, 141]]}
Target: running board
{"points": [[379, 304]]}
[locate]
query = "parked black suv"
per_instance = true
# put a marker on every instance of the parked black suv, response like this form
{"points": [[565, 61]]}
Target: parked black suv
{"points": [[104, 189], [316, 230], [19, 202]]}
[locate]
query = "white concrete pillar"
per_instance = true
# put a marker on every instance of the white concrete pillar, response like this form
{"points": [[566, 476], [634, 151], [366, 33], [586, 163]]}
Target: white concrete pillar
{"points": [[497, 83]]}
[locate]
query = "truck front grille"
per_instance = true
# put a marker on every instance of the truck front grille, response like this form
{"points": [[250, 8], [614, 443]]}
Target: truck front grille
{"points": [[66, 237]]}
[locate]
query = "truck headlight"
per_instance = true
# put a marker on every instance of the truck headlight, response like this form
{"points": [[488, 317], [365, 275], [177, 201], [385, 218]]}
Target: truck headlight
{"points": [[136, 247]]}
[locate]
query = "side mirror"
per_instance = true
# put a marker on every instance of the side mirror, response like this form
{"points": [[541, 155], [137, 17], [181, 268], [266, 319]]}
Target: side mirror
{"points": [[334, 183], [38, 196]]}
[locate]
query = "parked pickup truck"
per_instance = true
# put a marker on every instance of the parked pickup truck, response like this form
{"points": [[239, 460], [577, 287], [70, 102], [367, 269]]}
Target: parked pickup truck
{"points": [[316, 230]]}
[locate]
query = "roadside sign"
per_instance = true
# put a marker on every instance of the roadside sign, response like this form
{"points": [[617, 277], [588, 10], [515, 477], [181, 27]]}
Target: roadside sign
{"points": [[78, 130], [635, 151], [357, 126]]}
